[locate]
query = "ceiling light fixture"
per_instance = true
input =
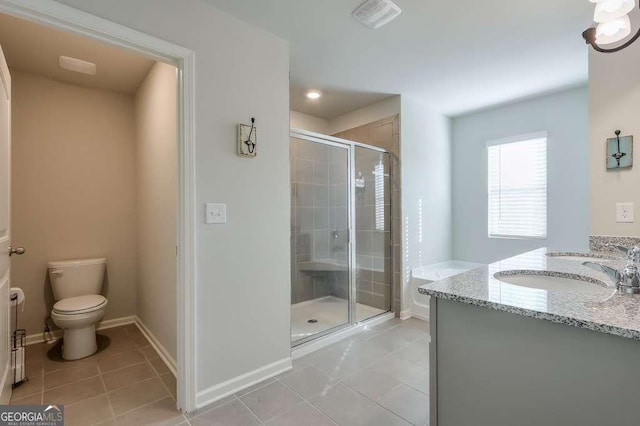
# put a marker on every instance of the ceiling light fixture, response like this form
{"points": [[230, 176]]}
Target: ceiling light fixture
{"points": [[376, 13], [314, 94], [78, 65], [612, 17]]}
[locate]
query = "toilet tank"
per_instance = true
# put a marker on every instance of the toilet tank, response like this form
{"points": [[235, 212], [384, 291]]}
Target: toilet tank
{"points": [[76, 277]]}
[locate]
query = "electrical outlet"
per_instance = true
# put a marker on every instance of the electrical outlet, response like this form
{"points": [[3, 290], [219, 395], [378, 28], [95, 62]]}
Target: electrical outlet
{"points": [[624, 212]]}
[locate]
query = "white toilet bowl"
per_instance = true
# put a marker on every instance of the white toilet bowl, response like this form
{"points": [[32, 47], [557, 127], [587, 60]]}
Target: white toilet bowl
{"points": [[78, 316]]}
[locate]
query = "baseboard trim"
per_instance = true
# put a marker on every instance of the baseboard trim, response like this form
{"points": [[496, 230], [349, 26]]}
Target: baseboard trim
{"points": [[405, 314], [159, 348], [224, 389], [33, 339]]}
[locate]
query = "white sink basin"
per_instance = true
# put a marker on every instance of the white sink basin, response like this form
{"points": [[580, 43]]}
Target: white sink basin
{"points": [[548, 281]]}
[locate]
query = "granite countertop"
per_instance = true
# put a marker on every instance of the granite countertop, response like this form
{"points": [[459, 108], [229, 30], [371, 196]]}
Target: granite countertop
{"points": [[600, 309]]}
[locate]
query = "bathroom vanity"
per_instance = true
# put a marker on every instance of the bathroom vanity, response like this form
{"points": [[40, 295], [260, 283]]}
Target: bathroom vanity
{"points": [[563, 351]]}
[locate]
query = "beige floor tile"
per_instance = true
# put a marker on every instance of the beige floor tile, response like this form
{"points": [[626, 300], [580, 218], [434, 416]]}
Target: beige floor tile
{"points": [[378, 416], [33, 385], [69, 375], [74, 392], [169, 381], [137, 395], [372, 383], [137, 337], [344, 405], [160, 367], [301, 414], [149, 352], [232, 413], [126, 376], [36, 398], [88, 412], [271, 401], [307, 381], [54, 362], [162, 412], [120, 360], [116, 341], [409, 404]]}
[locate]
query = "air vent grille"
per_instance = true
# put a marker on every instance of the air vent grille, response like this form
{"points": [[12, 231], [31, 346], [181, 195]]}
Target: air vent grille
{"points": [[376, 13]]}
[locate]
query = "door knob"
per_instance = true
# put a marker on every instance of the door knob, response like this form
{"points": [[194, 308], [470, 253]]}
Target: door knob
{"points": [[17, 250]]}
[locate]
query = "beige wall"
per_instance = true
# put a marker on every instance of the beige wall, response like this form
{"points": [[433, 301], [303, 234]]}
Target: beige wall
{"points": [[614, 103], [298, 120], [156, 160], [73, 192], [360, 117]]}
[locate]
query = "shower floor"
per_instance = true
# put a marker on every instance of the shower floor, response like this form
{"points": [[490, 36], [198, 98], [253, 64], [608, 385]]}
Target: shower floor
{"points": [[329, 311]]}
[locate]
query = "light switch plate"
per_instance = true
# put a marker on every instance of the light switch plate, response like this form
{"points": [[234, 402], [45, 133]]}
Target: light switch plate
{"points": [[216, 213], [624, 212]]}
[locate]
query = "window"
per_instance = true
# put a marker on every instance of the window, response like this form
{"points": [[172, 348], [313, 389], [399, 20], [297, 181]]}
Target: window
{"points": [[517, 186]]}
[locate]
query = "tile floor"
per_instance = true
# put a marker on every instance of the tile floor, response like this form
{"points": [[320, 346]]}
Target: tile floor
{"points": [[328, 311], [124, 383], [377, 377]]}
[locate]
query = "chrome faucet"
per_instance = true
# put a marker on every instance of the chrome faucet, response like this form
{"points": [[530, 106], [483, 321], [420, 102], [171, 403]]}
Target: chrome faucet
{"points": [[627, 281], [633, 254]]}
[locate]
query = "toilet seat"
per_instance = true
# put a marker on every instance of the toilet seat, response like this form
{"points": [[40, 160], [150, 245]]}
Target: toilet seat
{"points": [[80, 304]]}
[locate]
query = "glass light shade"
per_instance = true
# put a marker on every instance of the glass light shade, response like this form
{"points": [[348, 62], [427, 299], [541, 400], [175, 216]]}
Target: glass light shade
{"points": [[610, 10], [613, 31]]}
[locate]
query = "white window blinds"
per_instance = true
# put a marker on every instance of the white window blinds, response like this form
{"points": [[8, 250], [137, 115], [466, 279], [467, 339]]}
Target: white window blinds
{"points": [[517, 186]]}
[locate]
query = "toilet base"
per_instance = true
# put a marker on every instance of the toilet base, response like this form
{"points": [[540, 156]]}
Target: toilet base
{"points": [[79, 342]]}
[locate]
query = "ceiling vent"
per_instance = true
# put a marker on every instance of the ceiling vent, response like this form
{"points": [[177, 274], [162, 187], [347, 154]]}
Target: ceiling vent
{"points": [[77, 65], [376, 13]]}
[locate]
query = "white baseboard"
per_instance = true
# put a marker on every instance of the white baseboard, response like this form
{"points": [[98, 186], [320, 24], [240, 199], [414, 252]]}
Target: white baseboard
{"points": [[224, 389], [32, 339], [321, 342], [421, 317], [405, 314], [159, 348]]}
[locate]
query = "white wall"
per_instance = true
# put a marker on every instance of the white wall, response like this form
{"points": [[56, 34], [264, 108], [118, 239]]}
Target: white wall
{"points": [[365, 115], [426, 188], [614, 103], [156, 193], [564, 116], [243, 280], [308, 122]]}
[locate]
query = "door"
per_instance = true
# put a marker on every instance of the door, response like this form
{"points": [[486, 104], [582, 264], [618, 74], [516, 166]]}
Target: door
{"points": [[320, 244], [5, 235], [373, 290]]}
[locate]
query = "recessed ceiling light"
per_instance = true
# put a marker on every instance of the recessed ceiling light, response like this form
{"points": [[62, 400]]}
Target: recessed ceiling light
{"points": [[314, 94], [77, 65]]}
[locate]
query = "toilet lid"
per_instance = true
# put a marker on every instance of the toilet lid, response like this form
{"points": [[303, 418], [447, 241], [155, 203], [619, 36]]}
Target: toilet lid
{"points": [[80, 304]]}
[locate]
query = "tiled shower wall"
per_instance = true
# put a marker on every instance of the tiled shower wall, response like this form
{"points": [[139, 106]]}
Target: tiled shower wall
{"points": [[374, 286], [318, 217]]}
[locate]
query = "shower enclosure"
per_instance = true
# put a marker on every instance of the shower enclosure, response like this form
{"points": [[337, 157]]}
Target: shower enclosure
{"points": [[341, 234]]}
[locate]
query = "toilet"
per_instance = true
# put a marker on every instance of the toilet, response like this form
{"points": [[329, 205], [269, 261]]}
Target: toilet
{"points": [[76, 286]]}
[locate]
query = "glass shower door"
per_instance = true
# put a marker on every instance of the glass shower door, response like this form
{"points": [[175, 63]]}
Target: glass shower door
{"points": [[320, 272], [373, 289]]}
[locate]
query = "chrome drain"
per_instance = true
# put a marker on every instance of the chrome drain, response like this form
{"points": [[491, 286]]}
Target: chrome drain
{"points": [[312, 321]]}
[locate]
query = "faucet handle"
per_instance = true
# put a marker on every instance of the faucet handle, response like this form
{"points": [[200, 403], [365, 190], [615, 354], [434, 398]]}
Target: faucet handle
{"points": [[626, 281]]}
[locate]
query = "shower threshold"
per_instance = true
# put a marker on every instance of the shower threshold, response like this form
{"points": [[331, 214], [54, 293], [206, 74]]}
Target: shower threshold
{"points": [[329, 312]]}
